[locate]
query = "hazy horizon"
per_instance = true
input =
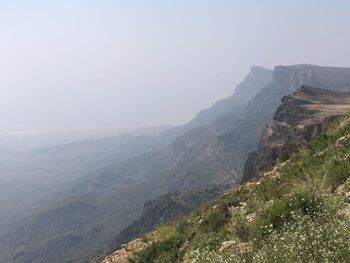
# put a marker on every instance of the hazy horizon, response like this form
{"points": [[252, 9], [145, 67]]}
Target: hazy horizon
{"points": [[82, 65]]}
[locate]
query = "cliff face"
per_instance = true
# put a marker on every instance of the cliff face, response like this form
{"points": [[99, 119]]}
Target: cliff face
{"points": [[287, 79], [301, 116]]}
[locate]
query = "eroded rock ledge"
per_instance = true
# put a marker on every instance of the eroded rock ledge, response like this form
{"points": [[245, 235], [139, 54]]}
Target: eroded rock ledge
{"points": [[301, 116]]}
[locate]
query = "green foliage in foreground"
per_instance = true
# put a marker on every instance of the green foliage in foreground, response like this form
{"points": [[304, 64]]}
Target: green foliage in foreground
{"points": [[295, 214]]}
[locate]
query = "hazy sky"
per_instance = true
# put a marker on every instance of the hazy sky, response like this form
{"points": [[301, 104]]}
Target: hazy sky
{"points": [[69, 64]]}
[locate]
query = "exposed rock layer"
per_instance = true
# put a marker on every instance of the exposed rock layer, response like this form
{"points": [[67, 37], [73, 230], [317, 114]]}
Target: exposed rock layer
{"points": [[301, 116]]}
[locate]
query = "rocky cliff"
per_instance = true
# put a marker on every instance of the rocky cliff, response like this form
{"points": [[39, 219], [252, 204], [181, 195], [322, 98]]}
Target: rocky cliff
{"points": [[302, 115]]}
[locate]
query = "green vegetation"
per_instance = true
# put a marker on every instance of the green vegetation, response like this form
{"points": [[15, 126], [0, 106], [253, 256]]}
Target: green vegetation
{"points": [[165, 250], [294, 213]]}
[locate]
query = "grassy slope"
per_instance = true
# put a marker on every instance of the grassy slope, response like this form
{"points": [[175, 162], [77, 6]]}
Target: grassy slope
{"points": [[294, 213]]}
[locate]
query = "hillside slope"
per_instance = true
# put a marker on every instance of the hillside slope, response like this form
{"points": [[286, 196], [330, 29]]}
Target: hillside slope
{"points": [[160, 211], [296, 211]]}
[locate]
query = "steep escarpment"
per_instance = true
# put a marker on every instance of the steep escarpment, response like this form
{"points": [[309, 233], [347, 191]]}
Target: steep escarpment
{"points": [[297, 211], [301, 116], [287, 79]]}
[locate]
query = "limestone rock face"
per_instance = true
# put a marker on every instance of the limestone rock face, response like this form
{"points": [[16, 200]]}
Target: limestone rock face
{"points": [[301, 116]]}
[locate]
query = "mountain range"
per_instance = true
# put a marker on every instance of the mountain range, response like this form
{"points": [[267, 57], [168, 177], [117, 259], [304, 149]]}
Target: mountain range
{"points": [[294, 209], [117, 176]]}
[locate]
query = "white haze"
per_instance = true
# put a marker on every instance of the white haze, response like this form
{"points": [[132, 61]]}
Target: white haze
{"points": [[92, 65]]}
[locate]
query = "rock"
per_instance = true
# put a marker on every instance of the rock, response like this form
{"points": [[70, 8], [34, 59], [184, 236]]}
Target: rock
{"points": [[232, 209], [185, 245], [346, 211], [347, 198], [251, 217], [242, 204], [227, 244], [244, 247], [235, 203], [341, 141], [121, 256], [225, 194], [252, 184]]}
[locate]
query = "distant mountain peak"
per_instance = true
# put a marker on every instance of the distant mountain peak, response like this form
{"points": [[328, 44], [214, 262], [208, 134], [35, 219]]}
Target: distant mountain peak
{"points": [[256, 80]]}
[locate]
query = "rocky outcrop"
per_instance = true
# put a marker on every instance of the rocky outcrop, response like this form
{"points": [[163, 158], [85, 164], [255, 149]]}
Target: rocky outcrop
{"points": [[301, 116], [122, 255]]}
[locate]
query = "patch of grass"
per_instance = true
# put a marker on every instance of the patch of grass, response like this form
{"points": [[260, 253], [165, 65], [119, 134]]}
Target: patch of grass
{"points": [[303, 202], [214, 221], [323, 238], [240, 227], [339, 171]]}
